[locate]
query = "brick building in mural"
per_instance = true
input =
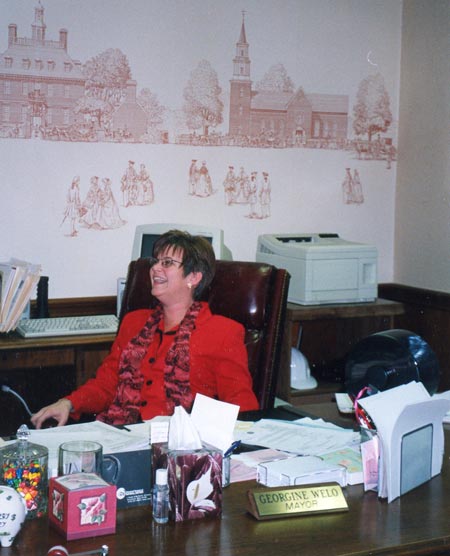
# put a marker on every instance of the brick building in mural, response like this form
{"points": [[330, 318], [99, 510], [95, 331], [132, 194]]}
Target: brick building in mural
{"points": [[292, 117], [39, 82]]}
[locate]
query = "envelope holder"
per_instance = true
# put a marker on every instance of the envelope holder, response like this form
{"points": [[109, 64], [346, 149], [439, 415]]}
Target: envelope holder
{"points": [[195, 481]]}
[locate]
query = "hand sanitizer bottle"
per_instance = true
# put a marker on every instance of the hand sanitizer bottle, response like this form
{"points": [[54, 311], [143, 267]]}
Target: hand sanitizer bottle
{"points": [[161, 497]]}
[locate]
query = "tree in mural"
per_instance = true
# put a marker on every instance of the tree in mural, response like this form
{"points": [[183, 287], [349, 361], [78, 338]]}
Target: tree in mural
{"points": [[106, 77], [96, 108], [372, 113], [202, 105], [154, 111], [276, 79]]}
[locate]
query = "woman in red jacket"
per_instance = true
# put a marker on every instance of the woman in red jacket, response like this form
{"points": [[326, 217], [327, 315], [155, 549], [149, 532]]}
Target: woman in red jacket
{"points": [[162, 357]]}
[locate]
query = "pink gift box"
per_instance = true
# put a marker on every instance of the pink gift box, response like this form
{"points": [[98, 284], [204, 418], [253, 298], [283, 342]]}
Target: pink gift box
{"points": [[82, 505], [195, 481]]}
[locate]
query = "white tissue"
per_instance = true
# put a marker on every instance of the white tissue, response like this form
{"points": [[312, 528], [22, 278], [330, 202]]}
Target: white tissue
{"points": [[182, 433]]}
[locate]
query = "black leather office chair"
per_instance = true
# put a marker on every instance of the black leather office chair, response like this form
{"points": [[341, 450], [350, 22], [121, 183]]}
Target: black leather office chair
{"points": [[254, 294]]}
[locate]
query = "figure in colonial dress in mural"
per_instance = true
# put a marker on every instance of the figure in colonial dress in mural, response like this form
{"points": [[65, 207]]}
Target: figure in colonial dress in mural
{"points": [[264, 196], [91, 204], [129, 185], [73, 207], [358, 196], [204, 184], [241, 196], [253, 194], [347, 187], [193, 177], [146, 194], [352, 188], [229, 185], [108, 215]]}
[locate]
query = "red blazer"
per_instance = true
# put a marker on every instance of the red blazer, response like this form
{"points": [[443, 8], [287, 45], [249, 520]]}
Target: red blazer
{"points": [[218, 361]]}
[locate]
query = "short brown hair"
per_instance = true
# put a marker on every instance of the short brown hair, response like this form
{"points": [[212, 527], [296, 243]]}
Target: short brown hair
{"points": [[197, 252]]}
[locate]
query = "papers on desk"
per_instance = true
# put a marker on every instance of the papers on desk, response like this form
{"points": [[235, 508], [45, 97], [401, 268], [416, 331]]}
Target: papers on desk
{"points": [[112, 439], [409, 431], [307, 437], [321, 445]]}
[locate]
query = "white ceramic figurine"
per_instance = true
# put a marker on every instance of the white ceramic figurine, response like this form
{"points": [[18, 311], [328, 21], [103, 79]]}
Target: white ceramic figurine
{"points": [[12, 514]]}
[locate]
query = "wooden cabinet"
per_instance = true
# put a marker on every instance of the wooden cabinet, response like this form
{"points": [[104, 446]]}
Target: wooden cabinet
{"points": [[328, 332], [43, 370]]}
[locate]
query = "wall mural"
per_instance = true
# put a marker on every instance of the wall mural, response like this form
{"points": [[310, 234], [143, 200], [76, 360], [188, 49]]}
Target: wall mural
{"points": [[48, 95], [193, 112]]}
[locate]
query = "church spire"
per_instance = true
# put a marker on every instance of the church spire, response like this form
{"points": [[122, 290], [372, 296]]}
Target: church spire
{"points": [[242, 37], [241, 62]]}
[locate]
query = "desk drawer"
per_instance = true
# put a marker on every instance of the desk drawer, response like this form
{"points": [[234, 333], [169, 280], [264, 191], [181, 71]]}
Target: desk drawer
{"points": [[28, 359]]}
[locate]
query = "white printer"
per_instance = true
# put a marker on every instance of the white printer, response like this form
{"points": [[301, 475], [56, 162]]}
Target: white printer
{"points": [[324, 268]]}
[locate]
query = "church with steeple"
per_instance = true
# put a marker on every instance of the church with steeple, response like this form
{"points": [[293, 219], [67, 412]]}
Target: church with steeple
{"points": [[284, 118]]}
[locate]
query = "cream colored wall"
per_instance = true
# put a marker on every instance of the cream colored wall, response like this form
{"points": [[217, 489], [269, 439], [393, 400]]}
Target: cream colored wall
{"points": [[422, 234], [327, 46]]}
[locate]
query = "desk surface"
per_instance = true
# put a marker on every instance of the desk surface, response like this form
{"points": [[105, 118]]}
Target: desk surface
{"points": [[417, 523]]}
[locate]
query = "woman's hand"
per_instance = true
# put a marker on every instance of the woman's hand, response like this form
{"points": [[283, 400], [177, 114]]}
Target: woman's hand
{"points": [[59, 411]]}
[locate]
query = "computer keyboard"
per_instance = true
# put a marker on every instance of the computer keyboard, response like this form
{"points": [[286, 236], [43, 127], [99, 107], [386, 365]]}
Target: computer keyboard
{"points": [[68, 326]]}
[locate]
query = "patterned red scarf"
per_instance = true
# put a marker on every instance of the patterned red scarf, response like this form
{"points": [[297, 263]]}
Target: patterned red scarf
{"points": [[125, 408]]}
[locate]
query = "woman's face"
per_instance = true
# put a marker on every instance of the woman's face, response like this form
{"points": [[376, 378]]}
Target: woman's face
{"points": [[169, 285]]}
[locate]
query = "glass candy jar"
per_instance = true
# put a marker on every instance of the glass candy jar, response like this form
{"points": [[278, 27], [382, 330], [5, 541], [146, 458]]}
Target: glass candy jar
{"points": [[24, 467]]}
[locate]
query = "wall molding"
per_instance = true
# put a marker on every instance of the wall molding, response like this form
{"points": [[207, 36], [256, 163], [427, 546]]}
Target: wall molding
{"points": [[430, 299]]}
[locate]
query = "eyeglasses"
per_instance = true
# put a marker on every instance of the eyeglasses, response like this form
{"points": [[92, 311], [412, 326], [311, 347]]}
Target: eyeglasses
{"points": [[166, 262]]}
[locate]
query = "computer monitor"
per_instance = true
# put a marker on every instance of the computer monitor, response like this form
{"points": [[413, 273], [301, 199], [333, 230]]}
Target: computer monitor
{"points": [[146, 235]]}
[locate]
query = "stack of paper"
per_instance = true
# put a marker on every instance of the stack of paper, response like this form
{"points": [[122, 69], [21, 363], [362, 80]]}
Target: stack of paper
{"points": [[408, 423], [18, 280]]}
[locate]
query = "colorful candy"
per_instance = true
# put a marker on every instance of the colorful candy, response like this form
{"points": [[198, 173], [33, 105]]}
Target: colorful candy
{"points": [[30, 481]]}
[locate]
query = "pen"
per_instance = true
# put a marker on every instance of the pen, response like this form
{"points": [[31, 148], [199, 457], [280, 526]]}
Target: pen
{"points": [[232, 448]]}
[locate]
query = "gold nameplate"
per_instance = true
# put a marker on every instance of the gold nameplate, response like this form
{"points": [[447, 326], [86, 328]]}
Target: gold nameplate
{"points": [[269, 503]]}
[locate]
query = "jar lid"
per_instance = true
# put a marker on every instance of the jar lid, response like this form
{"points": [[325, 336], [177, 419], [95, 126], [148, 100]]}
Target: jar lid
{"points": [[23, 449]]}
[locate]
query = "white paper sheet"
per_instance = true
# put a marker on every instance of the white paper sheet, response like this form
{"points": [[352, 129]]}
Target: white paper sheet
{"points": [[298, 438], [215, 421]]}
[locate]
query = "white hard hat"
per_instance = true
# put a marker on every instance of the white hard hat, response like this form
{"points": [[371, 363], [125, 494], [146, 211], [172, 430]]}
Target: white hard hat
{"points": [[301, 378]]}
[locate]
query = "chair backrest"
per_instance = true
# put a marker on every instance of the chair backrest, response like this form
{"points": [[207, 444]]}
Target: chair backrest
{"points": [[254, 294]]}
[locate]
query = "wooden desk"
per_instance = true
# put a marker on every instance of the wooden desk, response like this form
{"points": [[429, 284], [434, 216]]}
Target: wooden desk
{"points": [[416, 524], [42, 370], [327, 334]]}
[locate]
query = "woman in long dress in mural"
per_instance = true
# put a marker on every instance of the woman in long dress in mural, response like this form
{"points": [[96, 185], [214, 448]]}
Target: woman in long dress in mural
{"points": [[73, 207], [243, 182], [358, 196], [264, 196], [229, 186], [204, 184], [352, 188], [193, 177], [108, 215], [91, 204], [146, 194], [253, 194]]}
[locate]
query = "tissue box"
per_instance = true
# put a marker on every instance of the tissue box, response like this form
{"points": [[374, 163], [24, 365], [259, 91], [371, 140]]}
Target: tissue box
{"points": [[82, 505], [195, 481]]}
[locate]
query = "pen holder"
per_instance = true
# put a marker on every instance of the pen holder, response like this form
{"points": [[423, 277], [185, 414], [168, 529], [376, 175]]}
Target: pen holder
{"points": [[195, 481]]}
